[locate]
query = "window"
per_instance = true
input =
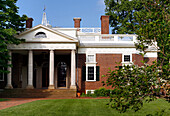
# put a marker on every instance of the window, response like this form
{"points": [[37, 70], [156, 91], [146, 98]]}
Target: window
{"points": [[90, 91], [40, 35], [1, 76], [90, 67], [126, 58], [90, 58], [90, 73]]}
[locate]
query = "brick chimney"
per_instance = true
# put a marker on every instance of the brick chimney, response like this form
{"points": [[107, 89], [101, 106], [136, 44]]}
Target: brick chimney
{"points": [[29, 23], [104, 24], [77, 22]]}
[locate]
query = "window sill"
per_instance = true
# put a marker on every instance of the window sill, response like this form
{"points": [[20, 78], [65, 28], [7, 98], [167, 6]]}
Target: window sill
{"points": [[127, 62], [90, 80], [90, 62]]}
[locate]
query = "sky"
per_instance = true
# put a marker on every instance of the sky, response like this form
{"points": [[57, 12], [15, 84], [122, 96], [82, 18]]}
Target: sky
{"points": [[60, 13]]}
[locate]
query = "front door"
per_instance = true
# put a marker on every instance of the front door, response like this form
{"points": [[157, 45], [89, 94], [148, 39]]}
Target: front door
{"points": [[62, 73]]}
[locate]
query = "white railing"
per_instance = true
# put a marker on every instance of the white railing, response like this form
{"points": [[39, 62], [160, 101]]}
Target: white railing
{"points": [[90, 30], [87, 38], [108, 37], [125, 38]]}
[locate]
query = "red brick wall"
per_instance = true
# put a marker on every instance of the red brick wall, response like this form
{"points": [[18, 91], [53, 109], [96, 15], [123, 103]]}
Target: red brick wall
{"points": [[81, 63], [136, 58], [104, 61], [149, 60]]}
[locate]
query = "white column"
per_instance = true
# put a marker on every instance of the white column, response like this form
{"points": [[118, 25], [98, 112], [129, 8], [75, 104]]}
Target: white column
{"points": [[9, 75], [73, 70], [30, 70], [51, 70]]}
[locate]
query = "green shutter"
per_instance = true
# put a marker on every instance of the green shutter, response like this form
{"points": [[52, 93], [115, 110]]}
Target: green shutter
{"points": [[97, 73], [83, 73]]}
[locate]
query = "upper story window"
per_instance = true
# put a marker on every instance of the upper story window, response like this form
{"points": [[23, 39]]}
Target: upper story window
{"points": [[40, 35], [90, 58]]}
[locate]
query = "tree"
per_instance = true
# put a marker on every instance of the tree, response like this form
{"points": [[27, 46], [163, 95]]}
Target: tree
{"points": [[11, 24], [149, 19]]}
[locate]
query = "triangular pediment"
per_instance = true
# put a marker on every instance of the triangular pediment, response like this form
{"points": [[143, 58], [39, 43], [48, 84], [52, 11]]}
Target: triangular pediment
{"points": [[41, 33]]}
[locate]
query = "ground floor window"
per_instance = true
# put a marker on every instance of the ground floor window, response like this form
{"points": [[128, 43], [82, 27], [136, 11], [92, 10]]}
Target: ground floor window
{"points": [[91, 73]]}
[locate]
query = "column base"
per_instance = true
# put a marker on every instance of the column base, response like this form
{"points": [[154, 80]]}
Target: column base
{"points": [[51, 87], [73, 87], [29, 87], [9, 87]]}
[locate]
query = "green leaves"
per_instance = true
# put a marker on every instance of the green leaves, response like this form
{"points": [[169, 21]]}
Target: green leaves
{"points": [[10, 24], [149, 19], [132, 85]]}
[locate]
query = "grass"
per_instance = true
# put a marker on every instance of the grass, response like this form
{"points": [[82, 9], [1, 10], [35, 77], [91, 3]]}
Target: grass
{"points": [[1, 99], [81, 107]]}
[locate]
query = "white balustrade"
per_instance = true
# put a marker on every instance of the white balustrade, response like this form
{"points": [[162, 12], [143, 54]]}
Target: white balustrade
{"points": [[90, 30], [107, 37]]}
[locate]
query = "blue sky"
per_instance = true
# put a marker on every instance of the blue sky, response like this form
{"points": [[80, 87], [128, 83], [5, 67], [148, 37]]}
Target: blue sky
{"points": [[61, 12]]}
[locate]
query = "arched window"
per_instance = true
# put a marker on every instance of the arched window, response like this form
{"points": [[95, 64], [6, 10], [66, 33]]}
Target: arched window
{"points": [[40, 35]]}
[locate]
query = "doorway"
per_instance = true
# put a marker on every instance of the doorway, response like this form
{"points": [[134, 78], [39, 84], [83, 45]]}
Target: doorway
{"points": [[62, 74], [45, 75]]}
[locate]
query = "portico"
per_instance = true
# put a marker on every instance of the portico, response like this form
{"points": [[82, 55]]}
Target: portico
{"points": [[49, 62]]}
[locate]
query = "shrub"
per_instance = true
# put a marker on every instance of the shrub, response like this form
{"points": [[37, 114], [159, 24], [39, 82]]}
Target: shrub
{"points": [[102, 92]]}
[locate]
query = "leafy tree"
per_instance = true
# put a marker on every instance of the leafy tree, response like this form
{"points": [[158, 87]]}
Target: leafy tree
{"points": [[10, 24], [133, 84], [149, 19]]}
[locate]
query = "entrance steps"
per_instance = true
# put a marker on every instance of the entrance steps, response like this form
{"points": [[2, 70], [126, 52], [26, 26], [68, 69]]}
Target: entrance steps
{"points": [[38, 93]]}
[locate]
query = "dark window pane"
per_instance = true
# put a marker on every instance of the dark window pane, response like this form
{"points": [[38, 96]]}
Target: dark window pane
{"points": [[90, 73], [126, 58]]}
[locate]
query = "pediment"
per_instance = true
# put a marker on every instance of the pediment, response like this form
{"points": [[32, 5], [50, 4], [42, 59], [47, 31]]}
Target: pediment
{"points": [[41, 33]]}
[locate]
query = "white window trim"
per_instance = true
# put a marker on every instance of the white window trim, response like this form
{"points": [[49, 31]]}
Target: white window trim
{"points": [[90, 64], [2, 76], [126, 63], [92, 91]]}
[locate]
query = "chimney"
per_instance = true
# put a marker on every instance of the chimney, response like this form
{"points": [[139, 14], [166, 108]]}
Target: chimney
{"points": [[104, 24], [77, 22], [29, 23]]}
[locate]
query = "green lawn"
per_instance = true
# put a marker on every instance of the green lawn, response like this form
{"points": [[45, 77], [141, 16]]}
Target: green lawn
{"points": [[80, 107], [3, 99]]}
